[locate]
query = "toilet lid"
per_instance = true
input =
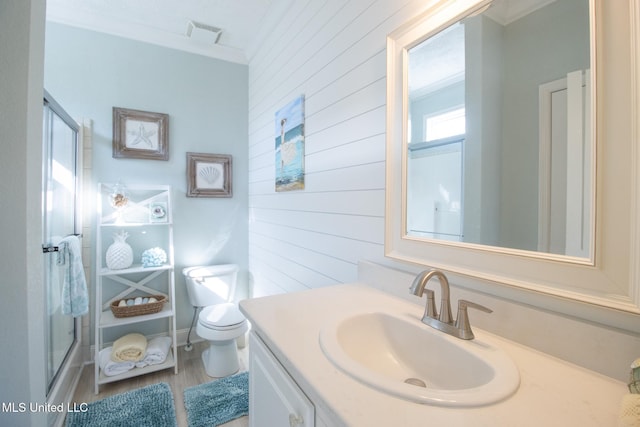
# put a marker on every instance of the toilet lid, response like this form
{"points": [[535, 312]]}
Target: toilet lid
{"points": [[221, 315]]}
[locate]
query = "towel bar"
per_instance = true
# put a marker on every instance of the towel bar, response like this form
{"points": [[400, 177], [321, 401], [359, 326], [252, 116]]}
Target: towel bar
{"points": [[50, 248]]}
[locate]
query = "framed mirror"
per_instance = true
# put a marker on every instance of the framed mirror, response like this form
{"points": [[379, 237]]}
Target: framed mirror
{"points": [[492, 138], [509, 147]]}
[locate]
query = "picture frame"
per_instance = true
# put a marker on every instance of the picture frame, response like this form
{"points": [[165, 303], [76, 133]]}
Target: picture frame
{"points": [[209, 175], [140, 134], [290, 146]]}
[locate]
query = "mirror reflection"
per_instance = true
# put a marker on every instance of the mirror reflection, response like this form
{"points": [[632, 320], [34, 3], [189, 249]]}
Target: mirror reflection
{"points": [[498, 129]]}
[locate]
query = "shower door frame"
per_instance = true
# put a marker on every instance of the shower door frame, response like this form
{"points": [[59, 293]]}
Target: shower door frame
{"points": [[61, 386]]}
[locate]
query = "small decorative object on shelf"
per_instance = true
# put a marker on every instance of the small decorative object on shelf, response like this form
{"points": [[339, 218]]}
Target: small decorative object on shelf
{"points": [[119, 254], [154, 257], [158, 212], [118, 196]]}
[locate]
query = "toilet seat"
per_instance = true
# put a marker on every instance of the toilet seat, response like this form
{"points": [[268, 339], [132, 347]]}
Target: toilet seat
{"points": [[221, 317], [220, 335]]}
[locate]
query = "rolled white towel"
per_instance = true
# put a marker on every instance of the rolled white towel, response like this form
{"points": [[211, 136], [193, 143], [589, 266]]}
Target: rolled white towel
{"points": [[157, 351], [111, 368]]}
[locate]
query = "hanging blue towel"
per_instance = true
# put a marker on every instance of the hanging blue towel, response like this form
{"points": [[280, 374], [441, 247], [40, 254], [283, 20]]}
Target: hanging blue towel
{"points": [[75, 298]]}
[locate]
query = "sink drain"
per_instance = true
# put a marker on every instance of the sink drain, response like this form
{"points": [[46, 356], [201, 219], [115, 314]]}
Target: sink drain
{"points": [[416, 381]]}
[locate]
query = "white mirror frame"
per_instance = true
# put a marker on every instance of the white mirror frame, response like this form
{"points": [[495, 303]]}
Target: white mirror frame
{"points": [[605, 289]]}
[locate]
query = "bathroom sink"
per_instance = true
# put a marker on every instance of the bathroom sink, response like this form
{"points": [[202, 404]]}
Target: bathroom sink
{"points": [[399, 355]]}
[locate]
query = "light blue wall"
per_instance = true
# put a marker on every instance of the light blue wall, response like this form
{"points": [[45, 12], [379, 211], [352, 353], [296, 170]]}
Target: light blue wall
{"points": [[551, 33], [88, 73]]}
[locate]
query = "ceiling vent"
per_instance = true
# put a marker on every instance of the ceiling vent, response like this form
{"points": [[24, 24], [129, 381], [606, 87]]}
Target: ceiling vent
{"points": [[203, 32]]}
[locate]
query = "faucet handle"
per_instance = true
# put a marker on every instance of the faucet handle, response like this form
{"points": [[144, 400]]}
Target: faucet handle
{"points": [[431, 310], [462, 321]]}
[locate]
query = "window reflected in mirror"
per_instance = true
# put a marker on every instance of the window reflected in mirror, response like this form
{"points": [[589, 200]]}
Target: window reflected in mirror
{"points": [[498, 130]]}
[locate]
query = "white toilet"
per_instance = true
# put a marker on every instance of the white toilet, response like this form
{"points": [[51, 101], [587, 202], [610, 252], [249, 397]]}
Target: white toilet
{"points": [[220, 321]]}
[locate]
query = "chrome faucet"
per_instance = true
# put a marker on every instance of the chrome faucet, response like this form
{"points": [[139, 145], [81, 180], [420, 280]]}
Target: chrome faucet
{"points": [[444, 322], [418, 288]]}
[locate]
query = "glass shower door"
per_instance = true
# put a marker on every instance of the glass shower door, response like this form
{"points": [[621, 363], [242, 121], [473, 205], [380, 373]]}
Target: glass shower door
{"points": [[60, 216]]}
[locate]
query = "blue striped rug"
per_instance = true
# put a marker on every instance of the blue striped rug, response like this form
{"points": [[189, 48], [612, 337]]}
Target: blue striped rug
{"points": [[217, 402]]}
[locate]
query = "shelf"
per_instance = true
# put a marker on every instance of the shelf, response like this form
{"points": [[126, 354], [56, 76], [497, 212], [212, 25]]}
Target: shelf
{"points": [[168, 363], [134, 224], [136, 268], [144, 206], [108, 320], [147, 219]]}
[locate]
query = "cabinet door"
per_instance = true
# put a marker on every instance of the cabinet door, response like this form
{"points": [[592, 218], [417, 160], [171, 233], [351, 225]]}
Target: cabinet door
{"points": [[274, 398]]}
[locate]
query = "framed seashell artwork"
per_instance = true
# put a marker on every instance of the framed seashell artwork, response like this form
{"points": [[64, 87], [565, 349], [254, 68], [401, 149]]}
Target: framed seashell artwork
{"points": [[209, 175], [140, 134]]}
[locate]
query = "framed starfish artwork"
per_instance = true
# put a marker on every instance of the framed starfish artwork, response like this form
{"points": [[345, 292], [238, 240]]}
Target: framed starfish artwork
{"points": [[140, 134]]}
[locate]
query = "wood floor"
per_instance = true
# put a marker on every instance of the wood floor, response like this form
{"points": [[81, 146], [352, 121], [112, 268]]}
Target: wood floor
{"points": [[190, 372]]}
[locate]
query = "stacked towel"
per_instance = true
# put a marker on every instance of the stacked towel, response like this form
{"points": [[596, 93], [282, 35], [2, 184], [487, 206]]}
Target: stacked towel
{"points": [[157, 351], [155, 354], [75, 298], [129, 348], [111, 368]]}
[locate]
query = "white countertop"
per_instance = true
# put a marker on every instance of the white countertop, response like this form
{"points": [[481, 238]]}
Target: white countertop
{"points": [[551, 393]]}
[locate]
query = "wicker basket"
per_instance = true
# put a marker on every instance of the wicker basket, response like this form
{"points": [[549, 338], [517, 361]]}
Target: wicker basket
{"points": [[140, 309]]}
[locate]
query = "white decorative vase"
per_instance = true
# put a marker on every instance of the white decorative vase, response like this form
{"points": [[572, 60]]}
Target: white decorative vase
{"points": [[119, 254]]}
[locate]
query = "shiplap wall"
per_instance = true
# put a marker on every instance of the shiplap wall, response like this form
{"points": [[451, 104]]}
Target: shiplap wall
{"points": [[334, 53]]}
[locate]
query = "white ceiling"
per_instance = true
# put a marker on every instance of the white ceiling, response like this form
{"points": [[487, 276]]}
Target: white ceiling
{"points": [[165, 22]]}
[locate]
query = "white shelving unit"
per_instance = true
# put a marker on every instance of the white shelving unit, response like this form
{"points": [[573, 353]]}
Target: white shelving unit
{"points": [[147, 218]]}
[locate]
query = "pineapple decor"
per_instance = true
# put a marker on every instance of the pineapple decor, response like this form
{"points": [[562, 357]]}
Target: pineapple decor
{"points": [[119, 254]]}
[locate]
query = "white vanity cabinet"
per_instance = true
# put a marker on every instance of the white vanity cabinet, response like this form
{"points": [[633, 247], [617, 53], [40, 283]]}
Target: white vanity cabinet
{"points": [[274, 397], [146, 218]]}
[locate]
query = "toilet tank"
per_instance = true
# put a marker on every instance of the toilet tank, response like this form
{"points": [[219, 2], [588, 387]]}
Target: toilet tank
{"points": [[211, 284]]}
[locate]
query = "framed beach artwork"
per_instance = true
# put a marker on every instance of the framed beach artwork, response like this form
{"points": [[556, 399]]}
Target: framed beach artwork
{"points": [[140, 134], [289, 142], [209, 175]]}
